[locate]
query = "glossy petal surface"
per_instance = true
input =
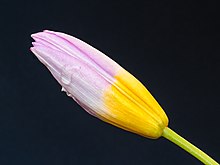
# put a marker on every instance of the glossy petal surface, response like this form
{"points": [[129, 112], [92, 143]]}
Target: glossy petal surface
{"points": [[101, 86]]}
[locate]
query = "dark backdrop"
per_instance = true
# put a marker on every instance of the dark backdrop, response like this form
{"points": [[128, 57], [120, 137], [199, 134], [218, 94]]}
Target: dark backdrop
{"points": [[172, 48]]}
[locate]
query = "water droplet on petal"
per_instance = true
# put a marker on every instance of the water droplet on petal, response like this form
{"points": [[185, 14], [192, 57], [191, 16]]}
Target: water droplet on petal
{"points": [[63, 89], [65, 76], [68, 94]]}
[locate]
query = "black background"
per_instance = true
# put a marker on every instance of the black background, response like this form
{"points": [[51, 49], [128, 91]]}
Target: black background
{"points": [[172, 48]]}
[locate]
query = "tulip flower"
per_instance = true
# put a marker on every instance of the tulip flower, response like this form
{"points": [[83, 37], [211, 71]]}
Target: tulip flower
{"points": [[104, 89]]}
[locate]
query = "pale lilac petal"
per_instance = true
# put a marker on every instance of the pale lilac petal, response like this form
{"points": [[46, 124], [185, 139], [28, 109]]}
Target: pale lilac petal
{"points": [[98, 57], [106, 67], [82, 82], [43, 42]]}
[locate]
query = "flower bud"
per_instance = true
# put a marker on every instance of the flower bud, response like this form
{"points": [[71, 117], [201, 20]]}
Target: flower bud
{"points": [[98, 84]]}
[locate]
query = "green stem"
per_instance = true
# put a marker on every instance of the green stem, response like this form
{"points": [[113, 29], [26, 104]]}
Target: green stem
{"points": [[193, 150]]}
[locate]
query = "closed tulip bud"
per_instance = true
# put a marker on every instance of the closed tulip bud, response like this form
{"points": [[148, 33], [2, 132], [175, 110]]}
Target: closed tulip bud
{"points": [[99, 85]]}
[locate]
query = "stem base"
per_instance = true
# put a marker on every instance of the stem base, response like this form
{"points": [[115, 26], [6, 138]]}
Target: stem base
{"points": [[187, 146]]}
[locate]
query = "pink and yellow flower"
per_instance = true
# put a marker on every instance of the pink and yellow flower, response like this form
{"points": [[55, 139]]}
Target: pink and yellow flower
{"points": [[98, 84]]}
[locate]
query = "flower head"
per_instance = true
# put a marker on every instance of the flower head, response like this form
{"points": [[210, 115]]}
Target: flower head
{"points": [[98, 84]]}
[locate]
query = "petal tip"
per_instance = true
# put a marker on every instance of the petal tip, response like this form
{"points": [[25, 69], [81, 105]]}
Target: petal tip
{"points": [[32, 49], [47, 30], [34, 35]]}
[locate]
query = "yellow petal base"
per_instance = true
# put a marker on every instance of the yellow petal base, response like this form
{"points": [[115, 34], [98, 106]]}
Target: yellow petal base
{"points": [[133, 108]]}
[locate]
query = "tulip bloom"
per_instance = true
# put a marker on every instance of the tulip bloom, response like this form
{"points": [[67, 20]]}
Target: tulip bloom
{"points": [[101, 86]]}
